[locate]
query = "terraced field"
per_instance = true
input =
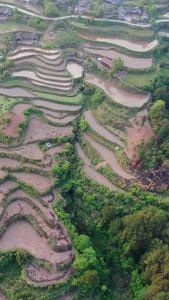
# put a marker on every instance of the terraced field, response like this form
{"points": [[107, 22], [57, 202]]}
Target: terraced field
{"points": [[41, 59]]}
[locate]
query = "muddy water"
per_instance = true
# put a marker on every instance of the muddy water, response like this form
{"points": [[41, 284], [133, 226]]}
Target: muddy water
{"points": [[75, 69], [92, 173], [15, 92], [121, 96], [33, 76], [108, 156], [100, 129], [130, 62], [22, 235], [65, 120], [18, 109], [137, 46], [56, 106]]}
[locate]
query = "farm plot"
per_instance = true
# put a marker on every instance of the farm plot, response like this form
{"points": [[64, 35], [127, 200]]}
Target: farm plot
{"points": [[38, 130], [46, 60], [90, 172], [58, 118], [31, 151], [16, 92], [9, 163], [123, 97], [141, 131], [37, 181], [7, 186], [22, 234], [56, 106], [130, 62]]}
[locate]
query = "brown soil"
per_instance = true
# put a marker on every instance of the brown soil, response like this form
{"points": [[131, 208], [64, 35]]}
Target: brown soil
{"points": [[12, 128], [101, 164], [7, 186], [37, 181], [56, 149], [38, 130]]}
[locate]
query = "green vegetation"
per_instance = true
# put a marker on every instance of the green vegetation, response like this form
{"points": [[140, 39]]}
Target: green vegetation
{"points": [[60, 99]]}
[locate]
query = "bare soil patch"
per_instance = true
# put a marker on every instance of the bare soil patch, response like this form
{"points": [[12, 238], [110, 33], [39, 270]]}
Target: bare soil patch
{"points": [[2, 174], [56, 149], [38, 130], [39, 182]]}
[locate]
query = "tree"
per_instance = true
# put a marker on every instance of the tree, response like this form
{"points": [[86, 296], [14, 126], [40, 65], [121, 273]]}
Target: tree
{"points": [[117, 65], [96, 99], [83, 125], [50, 9], [90, 279], [82, 242]]}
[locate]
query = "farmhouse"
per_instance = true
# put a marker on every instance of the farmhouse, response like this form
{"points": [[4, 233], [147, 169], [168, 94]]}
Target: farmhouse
{"points": [[106, 62], [26, 37], [129, 11], [5, 12]]}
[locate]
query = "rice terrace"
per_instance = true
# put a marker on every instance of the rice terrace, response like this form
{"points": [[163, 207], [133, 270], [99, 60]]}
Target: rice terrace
{"points": [[84, 150]]}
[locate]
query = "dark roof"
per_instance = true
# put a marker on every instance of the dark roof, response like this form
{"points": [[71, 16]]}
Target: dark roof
{"points": [[26, 35], [106, 61], [129, 10], [6, 11]]}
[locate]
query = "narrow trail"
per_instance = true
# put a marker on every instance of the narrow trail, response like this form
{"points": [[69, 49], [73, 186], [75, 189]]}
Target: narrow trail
{"points": [[90, 172], [100, 129], [108, 156]]}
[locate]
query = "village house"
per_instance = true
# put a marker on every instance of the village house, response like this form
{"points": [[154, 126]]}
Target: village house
{"points": [[26, 37], [5, 13], [129, 12], [106, 62], [115, 2]]}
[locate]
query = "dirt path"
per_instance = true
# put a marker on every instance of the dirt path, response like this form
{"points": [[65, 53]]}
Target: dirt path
{"points": [[100, 129], [108, 156], [119, 95], [90, 172]]}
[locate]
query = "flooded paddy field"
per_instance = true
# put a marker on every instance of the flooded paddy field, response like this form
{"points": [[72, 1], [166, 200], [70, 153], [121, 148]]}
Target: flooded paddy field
{"points": [[137, 46], [56, 106], [119, 95], [75, 69], [129, 61], [16, 92]]}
